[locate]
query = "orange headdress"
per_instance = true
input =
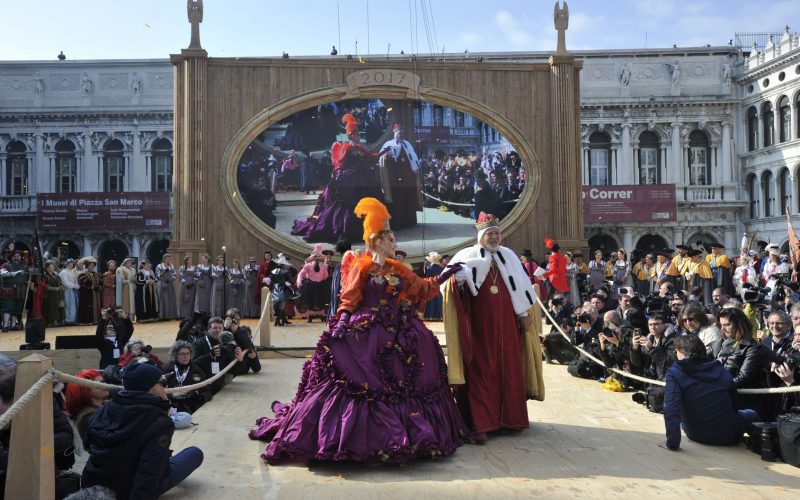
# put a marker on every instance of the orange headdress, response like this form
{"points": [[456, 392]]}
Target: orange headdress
{"points": [[376, 217], [350, 123]]}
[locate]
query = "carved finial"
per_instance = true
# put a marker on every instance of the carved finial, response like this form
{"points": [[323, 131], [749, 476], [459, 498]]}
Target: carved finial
{"points": [[561, 22], [194, 9]]}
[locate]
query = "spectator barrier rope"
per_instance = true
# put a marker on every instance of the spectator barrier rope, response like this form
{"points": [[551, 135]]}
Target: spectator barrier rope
{"points": [[460, 204], [52, 373], [773, 390]]}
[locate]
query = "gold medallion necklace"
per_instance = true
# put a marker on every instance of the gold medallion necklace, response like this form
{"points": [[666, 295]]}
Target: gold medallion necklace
{"points": [[493, 274]]}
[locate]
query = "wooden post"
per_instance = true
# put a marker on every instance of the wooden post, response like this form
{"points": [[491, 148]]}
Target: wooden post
{"points": [[31, 462], [265, 323]]}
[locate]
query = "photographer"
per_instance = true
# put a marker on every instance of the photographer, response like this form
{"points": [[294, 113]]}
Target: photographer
{"points": [[136, 348], [193, 328], [244, 339], [654, 353], [615, 341], [588, 326], [556, 347], [212, 356], [113, 331], [789, 374], [182, 370]]}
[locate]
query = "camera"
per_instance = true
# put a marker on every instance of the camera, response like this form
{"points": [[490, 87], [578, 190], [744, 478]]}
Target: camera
{"points": [[622, 291], [754, 294], [226, 339], [780, 359], [584, 318], [234, 321], [557, 302], [147, 349]]}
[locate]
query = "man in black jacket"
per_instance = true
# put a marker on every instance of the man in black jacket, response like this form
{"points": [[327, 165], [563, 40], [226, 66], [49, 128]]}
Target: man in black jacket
{"points": [[212, 357], [114, 330], [654, 353], [129, 440], [244, 339]]}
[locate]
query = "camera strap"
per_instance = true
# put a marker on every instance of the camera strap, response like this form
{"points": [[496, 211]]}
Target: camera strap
{"points": [[180, 377]]}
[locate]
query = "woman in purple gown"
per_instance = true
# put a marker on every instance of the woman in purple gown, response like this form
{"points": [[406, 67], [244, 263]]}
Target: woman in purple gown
{"points": [[375, 389], [354, 177]]}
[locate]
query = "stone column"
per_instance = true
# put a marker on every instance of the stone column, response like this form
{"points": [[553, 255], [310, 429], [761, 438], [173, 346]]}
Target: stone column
{"points": [[794, 133], [136, 246], [2, 173], [188, 183], [760, 132], [41, 170], [139, 174], [627, 239], [730, 239], [677, 163], [566, 146], [662, 167], [88, 178], [635, 176], [613, 166], [727, 171], [677, 235], [776, 125], [625, 164], [87, 246], [585, 165]]}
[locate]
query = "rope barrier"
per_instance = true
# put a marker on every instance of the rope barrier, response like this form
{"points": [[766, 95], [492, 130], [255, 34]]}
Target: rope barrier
{"points": [[773, 390], [26, 398], [460, 204]]}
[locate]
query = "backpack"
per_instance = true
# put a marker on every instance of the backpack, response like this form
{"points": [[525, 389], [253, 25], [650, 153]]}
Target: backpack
{"points": [[789, 436]]}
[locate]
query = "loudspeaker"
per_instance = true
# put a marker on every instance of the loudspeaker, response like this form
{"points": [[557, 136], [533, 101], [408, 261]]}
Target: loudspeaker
{"points": [[34, 330], [41, 346], [76, 342]]}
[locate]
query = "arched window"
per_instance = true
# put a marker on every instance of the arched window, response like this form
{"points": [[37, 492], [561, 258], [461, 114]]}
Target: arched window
{"points": [[768, 119], [768, 190], [649, 171], [114, 166], [162, 166], [599, 159], [17, 169], [66, 167], [785, 116], [699, 164], [752, 193], [752, 129], [786, 191]]}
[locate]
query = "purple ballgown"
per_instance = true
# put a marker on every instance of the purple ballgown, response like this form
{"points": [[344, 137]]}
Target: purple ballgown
{"points": [[377, 394]]}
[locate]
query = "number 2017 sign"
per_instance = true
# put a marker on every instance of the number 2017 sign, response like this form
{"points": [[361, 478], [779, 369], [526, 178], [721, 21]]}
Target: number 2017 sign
{"points": [[382, 77]]}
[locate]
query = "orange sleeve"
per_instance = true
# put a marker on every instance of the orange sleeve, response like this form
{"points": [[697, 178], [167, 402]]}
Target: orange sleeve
{"points": [[418, 289], [353, 288]]}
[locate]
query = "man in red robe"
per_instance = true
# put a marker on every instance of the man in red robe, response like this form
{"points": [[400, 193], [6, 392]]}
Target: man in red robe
{"points": [[492, 304], [556, 267], [264, 273]]}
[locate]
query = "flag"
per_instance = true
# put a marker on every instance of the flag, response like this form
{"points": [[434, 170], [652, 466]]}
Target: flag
{"points": [[794, 250]]}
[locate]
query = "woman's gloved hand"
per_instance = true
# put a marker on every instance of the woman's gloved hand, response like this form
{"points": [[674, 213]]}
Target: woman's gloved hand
{"points": [[338, 331], [449, 271]]}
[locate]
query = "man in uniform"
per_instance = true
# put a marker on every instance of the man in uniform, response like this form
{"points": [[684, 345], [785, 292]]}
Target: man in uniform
{"points": [[699, 274], [720, 267], [661, 267], [679, 267], [488, 304]]}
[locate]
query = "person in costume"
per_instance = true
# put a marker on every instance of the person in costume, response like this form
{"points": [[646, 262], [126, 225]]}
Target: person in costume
{"points": [[166, 275], [344, 249], [572, 281], [375, 389], [720, 267], [202, 275], [679, 268], [219, 288], [146, 299], [353, 177], [400, 256], [530, 266], [235, 293], [621, 273], [556, 267], [90, 299], [14, 280], [312, 281], [644, 273], [597, 270], [282, 292], [251, 306], [494, 354], [434, 267], [126, 287], [110, 285], [399, 177], [660, 267], [53, 305], [71, 286], [265, 274], [700, 275], [771, 270], [745, 273], [186, 273]]}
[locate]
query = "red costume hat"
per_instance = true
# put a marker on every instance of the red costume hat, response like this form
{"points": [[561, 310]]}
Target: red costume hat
{"points": [[350, 123]]}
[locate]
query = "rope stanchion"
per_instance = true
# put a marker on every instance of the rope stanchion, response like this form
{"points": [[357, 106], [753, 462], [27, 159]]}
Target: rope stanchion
{"points": [[772, 390], [26, 398]]}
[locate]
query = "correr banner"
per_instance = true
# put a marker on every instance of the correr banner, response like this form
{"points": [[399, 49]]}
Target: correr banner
{"points": [[629, 203], [103, 211]]}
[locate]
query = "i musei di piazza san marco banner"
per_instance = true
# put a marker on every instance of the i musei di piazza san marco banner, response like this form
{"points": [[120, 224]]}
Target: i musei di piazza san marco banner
{"points": [[103, 211], [629, 203]]}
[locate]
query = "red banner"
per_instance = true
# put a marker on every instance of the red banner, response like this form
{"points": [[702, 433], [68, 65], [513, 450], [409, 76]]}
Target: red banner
{"points": [[103, 211], [634, 203]]}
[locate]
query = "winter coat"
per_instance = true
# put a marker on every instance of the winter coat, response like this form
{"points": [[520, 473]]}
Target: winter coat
{"points": [[192, 400], [129, 438], [701, 395]]}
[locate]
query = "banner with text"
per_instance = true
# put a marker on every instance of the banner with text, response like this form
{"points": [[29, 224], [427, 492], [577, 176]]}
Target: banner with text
{"points": [[629, 203], [103, 211]]}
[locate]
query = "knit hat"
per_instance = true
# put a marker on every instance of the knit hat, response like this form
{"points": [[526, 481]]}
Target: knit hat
{"points": [[140, 377]]}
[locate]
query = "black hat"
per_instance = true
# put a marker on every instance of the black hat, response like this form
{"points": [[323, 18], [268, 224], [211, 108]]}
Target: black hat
{"points": [[527, 252], [694, 252], [717, 245], [140, 376], [577, 254], [682, 247]]}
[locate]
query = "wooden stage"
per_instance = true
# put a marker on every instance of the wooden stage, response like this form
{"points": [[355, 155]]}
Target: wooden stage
{"points": [[584, 442]]}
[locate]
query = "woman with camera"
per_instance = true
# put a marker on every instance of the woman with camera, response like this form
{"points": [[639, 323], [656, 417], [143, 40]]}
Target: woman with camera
{"points": [[182, 370], [113, 331], [136, 348]]}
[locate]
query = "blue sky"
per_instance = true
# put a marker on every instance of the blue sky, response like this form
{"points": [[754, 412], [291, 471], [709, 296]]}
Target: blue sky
{"points": [[113, 29]]}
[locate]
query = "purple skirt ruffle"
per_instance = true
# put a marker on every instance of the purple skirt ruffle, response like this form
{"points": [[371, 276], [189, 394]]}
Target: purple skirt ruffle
{"points": [[377, 395]]}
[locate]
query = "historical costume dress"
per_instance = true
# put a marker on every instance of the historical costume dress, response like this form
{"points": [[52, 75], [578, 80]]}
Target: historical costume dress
{"points": [[188, 289], [312, 282], [572, 283], [354, 177], [721, 269], [146, 300], [700, 275], [250, 305], [377, 390], [126, 288], [89, 298], [219, 291], [165, 274], [282, 292], [235, 289], [53, 306], [399, 178], [203, 293], [597, 274], [556, 268], [69, 280], [110, 289], [433, 307]]}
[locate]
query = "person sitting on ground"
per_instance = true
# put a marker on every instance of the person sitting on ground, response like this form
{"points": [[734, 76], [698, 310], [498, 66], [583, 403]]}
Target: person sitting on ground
{"points": [[129, 439], [212, 357], [181, 371], [746, 363], [654, 353], [700, 397], [82, 402], [695, 321], [244, 339], [789, 377], [136, 348]]}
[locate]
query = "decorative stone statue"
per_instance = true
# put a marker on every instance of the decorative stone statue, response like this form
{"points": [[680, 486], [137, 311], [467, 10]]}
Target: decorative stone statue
{"points": [[625, 74], [561, 22], [195, 11], [726, 74], [676, 73], [38, 85], [137, 85], [86, 85]]}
